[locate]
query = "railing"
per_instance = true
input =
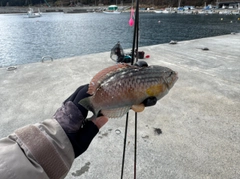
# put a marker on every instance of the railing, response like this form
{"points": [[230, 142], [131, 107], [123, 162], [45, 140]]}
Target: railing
{"points": [[49, 57]]}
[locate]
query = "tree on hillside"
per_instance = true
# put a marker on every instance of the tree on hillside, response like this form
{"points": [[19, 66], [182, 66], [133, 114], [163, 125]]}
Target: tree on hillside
{"points": [[164, 3]]}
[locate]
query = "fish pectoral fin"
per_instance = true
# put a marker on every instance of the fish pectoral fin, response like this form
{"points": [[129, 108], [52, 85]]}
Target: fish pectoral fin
{"points": [[86, 103], [138, 108], [116, 112]]}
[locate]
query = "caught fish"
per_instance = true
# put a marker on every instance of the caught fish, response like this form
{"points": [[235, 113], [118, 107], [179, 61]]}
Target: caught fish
{"points": [[115, 89]]}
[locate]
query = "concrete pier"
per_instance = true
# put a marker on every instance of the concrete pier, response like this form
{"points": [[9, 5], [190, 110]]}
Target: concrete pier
{"points": [[199, 118]]}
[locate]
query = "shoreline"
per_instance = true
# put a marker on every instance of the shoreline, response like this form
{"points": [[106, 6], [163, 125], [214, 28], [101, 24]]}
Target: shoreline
{"points": [[86, 9], [15, 9]]}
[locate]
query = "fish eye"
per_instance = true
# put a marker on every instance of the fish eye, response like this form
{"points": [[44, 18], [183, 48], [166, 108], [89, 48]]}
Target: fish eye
{"points": [[170, 74]]}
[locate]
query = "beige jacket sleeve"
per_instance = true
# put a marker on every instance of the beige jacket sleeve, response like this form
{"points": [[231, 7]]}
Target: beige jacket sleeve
{"points": [[38, 151]]}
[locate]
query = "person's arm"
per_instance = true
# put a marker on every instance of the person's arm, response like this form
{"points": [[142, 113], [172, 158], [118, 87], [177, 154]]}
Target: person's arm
{"points": [[42, 150], [47, 149]]}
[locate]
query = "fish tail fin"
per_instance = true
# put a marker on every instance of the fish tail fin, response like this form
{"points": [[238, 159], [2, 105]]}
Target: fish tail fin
{"points": [[86, 103]]}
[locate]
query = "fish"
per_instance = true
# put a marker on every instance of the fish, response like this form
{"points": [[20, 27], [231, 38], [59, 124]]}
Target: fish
{"points": [[116, 88]]}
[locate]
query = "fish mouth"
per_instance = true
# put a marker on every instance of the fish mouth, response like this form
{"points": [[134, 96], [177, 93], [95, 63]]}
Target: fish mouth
{"points": [[174, 77]]}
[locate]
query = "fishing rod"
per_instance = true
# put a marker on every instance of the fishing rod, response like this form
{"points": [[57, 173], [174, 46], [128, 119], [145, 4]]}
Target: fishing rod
{"points": [[134, 51]]}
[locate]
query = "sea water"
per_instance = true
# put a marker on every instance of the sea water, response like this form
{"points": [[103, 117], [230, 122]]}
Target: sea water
{"points": [[59, 35]]}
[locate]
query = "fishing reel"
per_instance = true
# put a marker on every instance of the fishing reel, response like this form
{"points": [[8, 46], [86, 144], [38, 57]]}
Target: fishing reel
{"points": [[117, 54]]}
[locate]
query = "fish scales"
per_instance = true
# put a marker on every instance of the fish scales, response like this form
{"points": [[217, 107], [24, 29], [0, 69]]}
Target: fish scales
{"points": [[115, 89], [132, 87], [104, 75]]}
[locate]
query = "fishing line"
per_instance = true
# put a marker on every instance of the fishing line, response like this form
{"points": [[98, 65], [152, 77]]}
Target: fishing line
{"points": [[135, 33], [124, 146], [136, 36], [134, 52]]}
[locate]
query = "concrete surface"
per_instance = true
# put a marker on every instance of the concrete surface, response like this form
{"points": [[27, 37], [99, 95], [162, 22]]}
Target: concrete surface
{"points": [[199, 118]]}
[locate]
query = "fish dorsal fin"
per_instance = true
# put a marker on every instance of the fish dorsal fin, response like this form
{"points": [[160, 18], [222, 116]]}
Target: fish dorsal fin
{"points": [[104, 74], [116, 112]]}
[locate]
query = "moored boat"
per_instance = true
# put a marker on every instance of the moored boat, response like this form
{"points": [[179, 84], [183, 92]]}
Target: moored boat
{"points": [[113, 9], [236, 12], [227, 12], [158, 11], [32, 14], [165, 11]]}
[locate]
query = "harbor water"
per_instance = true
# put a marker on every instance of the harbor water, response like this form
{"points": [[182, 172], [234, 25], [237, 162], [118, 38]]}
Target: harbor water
{"points": [[59, 35]]}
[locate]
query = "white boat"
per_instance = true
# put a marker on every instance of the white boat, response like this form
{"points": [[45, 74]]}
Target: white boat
{"points": [[225, 12], [32, 14], [165, 11], [202, 12], [236, 12], [112, 12], [158, 11], [113, 9], [207, 12], [169, 11], [180, 12], [188, 12]]}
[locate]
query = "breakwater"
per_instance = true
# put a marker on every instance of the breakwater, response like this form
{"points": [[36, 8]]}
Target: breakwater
{"points": [[199, 117]]}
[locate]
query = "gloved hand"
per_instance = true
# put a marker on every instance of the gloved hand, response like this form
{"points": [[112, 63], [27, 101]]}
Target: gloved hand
{"points": [[71, 116]]}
